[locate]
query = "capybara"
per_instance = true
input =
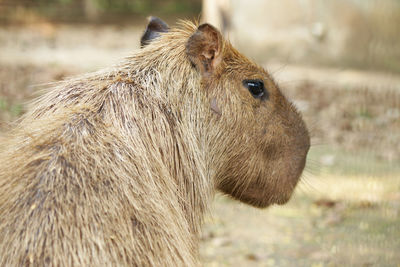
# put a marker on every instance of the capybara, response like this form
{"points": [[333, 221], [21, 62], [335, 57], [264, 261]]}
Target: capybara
{"points": [[118, 167]]}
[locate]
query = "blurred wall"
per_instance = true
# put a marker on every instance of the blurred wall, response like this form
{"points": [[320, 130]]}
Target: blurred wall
{"points": [[343, 33]]}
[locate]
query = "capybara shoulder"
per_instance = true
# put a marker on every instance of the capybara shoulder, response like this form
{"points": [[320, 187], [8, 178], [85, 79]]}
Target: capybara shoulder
{"points": [[118, 167]]}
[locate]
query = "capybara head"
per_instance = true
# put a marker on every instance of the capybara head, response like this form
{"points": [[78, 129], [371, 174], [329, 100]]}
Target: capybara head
{"points": [[256, 140]]}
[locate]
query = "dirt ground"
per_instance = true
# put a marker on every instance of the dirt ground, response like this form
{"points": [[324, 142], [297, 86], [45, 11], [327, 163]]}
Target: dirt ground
{"points": [[346, 210]]}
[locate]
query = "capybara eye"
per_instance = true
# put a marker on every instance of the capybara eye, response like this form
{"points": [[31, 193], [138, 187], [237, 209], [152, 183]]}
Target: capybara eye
{"points": [[256, 88]]}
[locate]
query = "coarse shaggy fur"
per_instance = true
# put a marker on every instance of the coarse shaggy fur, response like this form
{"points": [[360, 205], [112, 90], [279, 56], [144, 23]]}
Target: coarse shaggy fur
{"points": [[118, 167]]}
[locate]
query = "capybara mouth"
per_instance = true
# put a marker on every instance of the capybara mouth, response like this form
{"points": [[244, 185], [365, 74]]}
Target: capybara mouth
{"points": [[260, 197], [284, 200]]}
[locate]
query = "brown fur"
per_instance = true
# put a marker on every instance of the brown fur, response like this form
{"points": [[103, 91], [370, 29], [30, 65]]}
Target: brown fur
{"points": [[118, 167]]}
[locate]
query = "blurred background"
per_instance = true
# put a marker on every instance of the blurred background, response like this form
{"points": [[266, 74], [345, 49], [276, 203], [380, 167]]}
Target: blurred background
{"points": [[337, 60]]}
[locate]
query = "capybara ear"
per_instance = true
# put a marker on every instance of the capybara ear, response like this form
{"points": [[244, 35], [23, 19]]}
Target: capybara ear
{"points": [[153, 30], [204, 48]]}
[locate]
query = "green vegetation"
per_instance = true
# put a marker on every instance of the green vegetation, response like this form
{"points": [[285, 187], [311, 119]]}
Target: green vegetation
{"points": [[12, 110], [110, 11]]}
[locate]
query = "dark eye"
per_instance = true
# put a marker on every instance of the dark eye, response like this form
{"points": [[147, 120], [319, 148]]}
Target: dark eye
{"points": [[255, 87]]}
